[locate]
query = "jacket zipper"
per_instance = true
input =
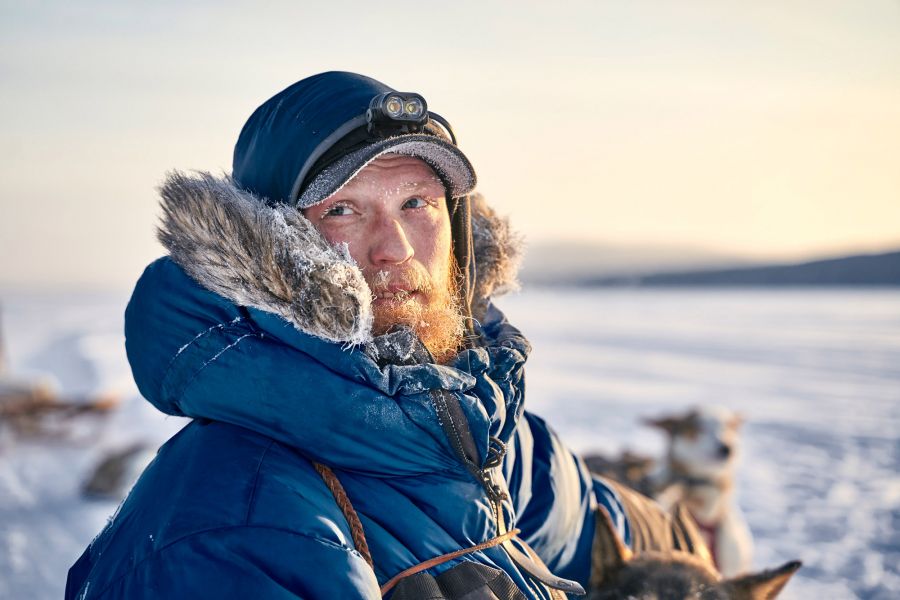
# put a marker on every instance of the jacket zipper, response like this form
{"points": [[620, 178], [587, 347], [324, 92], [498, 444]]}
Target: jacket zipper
{"points": [[460, 438]]}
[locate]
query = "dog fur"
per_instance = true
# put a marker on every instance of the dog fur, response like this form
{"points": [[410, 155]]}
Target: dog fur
{"points": [[671, 574], [698, 471]]}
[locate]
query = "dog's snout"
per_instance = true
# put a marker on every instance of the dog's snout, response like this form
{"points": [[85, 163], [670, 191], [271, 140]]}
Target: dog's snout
{"points": [[724, 450]]}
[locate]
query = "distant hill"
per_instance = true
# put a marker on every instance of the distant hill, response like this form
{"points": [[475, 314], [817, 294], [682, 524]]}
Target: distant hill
{"points": [[863, 269], [550, 263]]}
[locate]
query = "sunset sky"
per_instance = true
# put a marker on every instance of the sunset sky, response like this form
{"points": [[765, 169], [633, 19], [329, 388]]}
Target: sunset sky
{"points": [[766, 129]]}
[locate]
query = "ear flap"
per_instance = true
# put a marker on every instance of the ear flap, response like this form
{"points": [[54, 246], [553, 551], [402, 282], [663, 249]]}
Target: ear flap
{"points": [[609, 553], [463, 252], [762, 586]]}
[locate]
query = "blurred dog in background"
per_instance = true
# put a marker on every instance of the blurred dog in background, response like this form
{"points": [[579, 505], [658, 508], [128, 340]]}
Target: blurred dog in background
{"points": [[698, 472], [33, 407], [672, 573]]}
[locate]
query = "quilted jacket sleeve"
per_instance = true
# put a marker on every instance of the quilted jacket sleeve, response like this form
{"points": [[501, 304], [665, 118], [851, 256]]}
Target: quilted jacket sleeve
{"points": [[555, 500]]}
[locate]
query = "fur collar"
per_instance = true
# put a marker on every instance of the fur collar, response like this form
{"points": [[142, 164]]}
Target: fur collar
{"points": [[272, 258]]}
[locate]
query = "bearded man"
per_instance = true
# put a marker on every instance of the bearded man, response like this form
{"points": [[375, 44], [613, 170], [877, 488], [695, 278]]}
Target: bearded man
{"points": [[358, 431]]}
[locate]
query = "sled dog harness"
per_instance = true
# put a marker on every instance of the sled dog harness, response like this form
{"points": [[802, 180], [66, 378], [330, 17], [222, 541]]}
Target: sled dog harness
{"points": [[466, 571]]}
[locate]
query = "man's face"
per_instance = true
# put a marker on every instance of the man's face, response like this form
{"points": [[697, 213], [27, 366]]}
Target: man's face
{"points": [[393, 217]]}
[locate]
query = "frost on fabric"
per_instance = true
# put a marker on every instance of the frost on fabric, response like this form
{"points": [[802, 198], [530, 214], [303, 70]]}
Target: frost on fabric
{"points": [[203, 333], [399, 347], [335, 176], [270, 258]]}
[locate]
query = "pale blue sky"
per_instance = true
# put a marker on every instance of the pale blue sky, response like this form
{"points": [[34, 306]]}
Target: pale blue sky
{"points": [[764, 128]]}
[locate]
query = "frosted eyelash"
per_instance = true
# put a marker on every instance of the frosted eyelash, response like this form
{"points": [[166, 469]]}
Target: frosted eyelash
{"points": [[332, 207]]}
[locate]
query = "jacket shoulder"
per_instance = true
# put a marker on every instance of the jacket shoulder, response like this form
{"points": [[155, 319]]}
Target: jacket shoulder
{"points": [[214, 480], [239, 562]]}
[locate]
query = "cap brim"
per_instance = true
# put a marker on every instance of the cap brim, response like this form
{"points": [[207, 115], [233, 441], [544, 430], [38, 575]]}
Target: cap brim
{"points": [[451, 165]]}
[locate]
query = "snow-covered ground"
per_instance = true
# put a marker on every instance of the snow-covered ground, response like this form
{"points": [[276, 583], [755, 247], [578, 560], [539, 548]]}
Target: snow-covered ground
{"points": [[816, 373]]}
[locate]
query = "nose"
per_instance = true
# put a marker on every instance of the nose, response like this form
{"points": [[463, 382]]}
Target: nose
{"points": [[390, 244], [724, 450]]}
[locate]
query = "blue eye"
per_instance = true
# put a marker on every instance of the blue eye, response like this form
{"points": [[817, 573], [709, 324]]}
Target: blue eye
{"points": [[338, 210], [415, 203]]}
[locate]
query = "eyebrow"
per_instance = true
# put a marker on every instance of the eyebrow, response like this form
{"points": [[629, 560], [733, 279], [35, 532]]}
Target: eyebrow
{"points": [[420, 184]]}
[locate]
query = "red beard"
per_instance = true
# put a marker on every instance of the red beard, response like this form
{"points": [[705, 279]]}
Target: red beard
{"points": [[431, 308]]}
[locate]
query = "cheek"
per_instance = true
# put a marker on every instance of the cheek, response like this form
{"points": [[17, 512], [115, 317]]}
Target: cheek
{"points": [[329, 233], [335, 234], [432, 241]]}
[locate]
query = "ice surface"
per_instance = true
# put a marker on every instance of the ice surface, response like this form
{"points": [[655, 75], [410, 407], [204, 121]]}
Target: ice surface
{"points": [[44, 522], [817, 374]]}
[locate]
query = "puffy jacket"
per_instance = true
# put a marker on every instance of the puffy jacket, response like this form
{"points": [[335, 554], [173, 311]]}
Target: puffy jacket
{"points": [[258, 329]]}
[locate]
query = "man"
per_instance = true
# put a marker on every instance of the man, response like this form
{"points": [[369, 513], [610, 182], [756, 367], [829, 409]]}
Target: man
{"points": [[324, 316]]}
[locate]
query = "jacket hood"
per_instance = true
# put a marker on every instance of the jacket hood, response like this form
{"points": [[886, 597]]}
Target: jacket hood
{"points": [[256, 320], [270, 257]]}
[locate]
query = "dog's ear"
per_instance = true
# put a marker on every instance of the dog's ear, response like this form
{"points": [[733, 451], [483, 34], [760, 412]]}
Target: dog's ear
{"points": [[736, 420], [667, 424], [609, 553], [688, 422], [761, 586]]}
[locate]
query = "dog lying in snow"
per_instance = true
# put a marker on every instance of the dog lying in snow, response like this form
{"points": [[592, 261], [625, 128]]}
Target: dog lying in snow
{"points": [[698, 471], [32, 409], [672, 574]]}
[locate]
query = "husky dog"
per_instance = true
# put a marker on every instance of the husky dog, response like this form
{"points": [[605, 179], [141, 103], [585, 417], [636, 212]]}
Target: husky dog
{"points": [[673, 574], [698, 471]]}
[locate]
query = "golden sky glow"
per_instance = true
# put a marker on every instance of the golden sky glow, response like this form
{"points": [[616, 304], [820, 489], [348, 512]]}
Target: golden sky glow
{"points": [[768, 128]]}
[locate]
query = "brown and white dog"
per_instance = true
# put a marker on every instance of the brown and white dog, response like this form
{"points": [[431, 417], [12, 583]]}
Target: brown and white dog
{"points": [[698, 471]]}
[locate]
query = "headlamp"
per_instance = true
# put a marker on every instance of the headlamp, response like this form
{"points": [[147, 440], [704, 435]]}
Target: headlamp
{"points": [[396, 112], [389, 115]]}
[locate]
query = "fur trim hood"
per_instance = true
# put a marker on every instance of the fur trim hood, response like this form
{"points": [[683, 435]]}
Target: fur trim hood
{"points": [[272, 258]]}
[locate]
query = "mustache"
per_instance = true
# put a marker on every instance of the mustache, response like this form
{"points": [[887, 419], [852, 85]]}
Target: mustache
{"points": [[412, 278]]}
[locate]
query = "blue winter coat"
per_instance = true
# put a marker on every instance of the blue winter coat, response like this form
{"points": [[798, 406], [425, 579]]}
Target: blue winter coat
{"points": [[231, 507]]}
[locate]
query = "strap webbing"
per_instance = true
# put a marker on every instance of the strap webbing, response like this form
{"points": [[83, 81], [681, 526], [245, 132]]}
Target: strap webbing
{"points": [[446, 557], [343, 501]]}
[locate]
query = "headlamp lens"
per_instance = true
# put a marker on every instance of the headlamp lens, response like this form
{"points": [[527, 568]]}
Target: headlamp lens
{"points": [[393, 106], [414, 108]]}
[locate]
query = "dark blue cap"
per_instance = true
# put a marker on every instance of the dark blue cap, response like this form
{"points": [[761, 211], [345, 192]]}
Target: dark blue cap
{"points": [[282, 135]]}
